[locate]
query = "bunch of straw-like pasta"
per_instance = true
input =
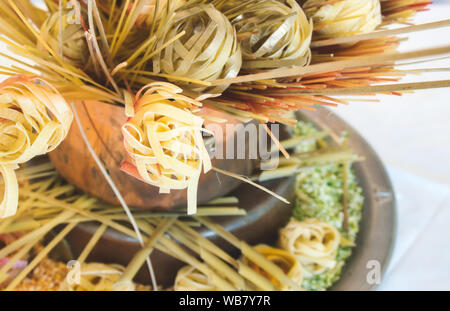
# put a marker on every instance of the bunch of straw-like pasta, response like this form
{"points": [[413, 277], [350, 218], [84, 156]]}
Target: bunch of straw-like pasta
{"points": [[314, 243], [164, 140], [344, 17], [275, 33], [207, 51], [34, 120]]}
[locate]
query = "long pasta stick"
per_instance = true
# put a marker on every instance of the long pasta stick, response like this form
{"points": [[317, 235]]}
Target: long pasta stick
{"points": [[40, 256], [116, 192], [91, 244], [139, 258]]}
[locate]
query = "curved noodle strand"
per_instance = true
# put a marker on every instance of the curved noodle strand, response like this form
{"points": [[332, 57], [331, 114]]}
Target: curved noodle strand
{"points": [[314, 243], [281, 258], [190, 279], [164, 141], [98, 277], [34, 120]]}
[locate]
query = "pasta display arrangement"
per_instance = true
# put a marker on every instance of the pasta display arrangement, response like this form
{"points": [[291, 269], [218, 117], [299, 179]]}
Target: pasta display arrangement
{"points": [[170, 67]]}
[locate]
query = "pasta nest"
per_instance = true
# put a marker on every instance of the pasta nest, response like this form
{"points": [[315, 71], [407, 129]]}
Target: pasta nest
{"points": [[190, 279], [345, 17], [313, 243], [34, 120], [207, 51], [283, 259], [97, 277], [70, 43], [164, 141], [151, 10], [277, 34]]}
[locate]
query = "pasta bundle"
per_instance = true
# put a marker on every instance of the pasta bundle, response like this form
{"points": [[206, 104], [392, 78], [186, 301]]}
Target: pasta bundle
{"points": [[69, 42], [277, 34], [164, 140], [344, 17], [97, 277], [190, 279], [282, 259], [152, 10], [313, 243], [207, 51], [34, 120]]}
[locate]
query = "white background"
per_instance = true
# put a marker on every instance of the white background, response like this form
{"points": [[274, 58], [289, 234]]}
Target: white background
{"points": [[412, 136]]}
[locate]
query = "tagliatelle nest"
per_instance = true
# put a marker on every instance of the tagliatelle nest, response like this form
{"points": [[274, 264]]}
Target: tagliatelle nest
{"points": [[314, 243], [34, 120], [276, 34], [283, 260], [344, 17], [207, 51], [164, 140], [153, 9], [190, 279], [64, 34]]}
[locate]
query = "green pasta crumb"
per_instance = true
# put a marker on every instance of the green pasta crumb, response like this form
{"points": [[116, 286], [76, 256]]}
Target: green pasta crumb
{"points": [[320, 195]]}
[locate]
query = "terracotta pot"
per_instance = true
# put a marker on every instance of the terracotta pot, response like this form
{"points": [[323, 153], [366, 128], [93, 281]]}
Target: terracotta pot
{"points": [[102, 124]]}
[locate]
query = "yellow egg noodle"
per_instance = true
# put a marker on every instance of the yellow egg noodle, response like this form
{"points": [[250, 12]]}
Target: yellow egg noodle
{"points": [[153, 9], [314, 243], [344, 17], [96, 277], [73, 46], [34, 120], [207, 51], [283, 259], [190, 279], [276, 34], [164, 141]]}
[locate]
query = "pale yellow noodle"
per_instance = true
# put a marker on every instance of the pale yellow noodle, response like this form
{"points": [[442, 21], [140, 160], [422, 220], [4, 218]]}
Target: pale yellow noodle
{"points": [[345, 17], [164, 140], [314, 243], [34, 120]]}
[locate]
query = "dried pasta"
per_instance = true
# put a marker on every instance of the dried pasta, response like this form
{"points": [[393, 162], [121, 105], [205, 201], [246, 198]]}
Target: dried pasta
{"points": [[97, 277], [276, 34], [314, 243], [164, 141], [344, 17], [34, 120], [283, 260], [190, 279], [207, 51], [69, 42]]}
